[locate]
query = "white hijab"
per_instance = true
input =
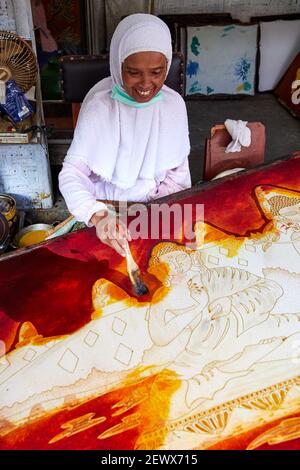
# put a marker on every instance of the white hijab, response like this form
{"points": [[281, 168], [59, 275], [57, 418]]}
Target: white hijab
{"points": [[121, 143]]}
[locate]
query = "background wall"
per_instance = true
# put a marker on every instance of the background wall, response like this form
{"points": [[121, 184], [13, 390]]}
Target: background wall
{"points": [[239, 9], [15, 16], [104, 15], [96, 26]]}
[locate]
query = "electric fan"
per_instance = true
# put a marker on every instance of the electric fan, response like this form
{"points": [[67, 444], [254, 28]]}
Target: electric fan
{"points": [[17, 61]]}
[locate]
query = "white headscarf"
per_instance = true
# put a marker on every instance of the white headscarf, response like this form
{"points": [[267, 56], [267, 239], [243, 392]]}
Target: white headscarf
{"points": [[121, 143], [138, 33]]}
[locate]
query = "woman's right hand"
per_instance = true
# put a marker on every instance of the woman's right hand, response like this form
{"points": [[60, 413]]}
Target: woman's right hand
{"points": [[111, 231]]}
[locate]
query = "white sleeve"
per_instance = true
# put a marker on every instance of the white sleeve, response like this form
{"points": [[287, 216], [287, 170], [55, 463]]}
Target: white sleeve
{"points": [[175, 180], [79, 191]]}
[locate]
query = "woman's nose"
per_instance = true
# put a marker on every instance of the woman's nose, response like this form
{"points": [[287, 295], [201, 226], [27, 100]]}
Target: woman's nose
{"points": [[145, 81]]}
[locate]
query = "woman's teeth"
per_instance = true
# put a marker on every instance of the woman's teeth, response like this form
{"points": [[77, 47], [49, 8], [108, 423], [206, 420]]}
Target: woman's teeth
{"points": [[144, 93]]}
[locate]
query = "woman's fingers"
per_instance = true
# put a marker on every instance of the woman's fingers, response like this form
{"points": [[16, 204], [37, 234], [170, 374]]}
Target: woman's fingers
{"points": [[118, 247], [124, 231], [118, 241], [112, 243], [114, 234]]}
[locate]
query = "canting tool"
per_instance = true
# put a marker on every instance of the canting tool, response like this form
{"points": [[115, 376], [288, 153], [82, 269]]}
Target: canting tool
{"points": [[62, 228], [134, 273]]}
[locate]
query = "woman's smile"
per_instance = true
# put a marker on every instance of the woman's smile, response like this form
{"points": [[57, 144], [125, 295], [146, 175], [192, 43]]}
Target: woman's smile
{"points": [[143, 92], [144, 74]]}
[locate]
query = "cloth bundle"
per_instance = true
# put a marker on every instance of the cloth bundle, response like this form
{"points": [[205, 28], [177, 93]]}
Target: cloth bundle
{"points": [[240, 133]]}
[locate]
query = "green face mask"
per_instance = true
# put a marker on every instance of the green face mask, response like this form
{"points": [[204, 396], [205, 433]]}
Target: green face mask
{"points": [[119, 94]]}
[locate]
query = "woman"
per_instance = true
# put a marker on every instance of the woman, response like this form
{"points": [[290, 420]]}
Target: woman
{"points": [[131, 141]]}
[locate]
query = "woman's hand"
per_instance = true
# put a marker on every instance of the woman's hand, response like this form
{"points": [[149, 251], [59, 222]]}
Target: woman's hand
{"points": [[111, 231]]}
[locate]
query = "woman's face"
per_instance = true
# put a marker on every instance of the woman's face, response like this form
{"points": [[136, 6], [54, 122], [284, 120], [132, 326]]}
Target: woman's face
{"points": [[144, 74]]}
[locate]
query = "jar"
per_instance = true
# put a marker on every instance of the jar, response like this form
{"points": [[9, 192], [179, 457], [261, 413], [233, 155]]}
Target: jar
{"points": [[4, 233], [8, 208]]}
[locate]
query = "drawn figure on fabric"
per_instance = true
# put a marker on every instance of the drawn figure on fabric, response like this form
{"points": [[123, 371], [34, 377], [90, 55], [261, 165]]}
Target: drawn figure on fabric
{"points": [[283, 209], [211, 326], [202, 305]]}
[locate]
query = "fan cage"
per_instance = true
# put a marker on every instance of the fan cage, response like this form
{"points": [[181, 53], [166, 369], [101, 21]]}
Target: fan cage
{"points": [[17, 61]]}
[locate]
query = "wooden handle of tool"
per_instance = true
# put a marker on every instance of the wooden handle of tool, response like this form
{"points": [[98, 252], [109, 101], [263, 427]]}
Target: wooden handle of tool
{"points": [[131, 264], [51, 231]]}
